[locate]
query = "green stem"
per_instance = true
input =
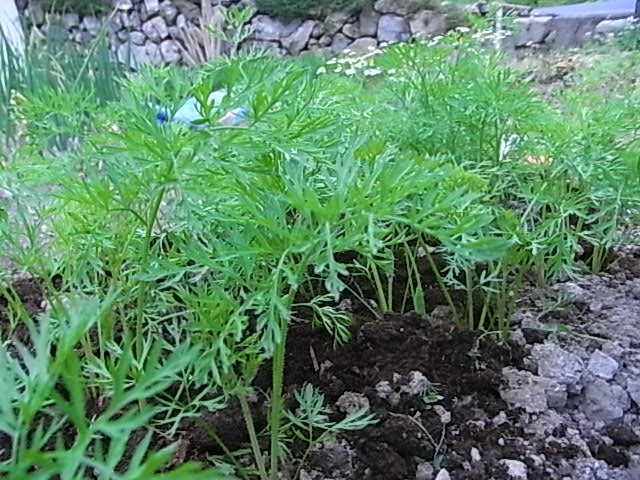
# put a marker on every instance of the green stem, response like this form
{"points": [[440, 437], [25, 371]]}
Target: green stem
{"points": [[255, 446], [142, 286], [443, 287], [379, 288], [275, 416], [469, 299]]}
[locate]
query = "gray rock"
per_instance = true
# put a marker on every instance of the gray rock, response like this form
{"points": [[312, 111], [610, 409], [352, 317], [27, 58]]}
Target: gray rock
{"points": [[153, 53], [393, 29], [170, 51], [351, 30], [363, 45], [137, 38], [340, 42], [604, 402], [334, 22], [424, 471], [169, 12], [299, 39], [155, 29], [91, 24], [613, 26], [132, 55], [515, 468], [633, 387], [427, 24], [602, 365], [535, 30], [325, 41], [532, 393], [272, 48], [369, 19], [70, 20], [557, 364], [36, 13], [131, 21], [123, 5], [398, 7], [152, 7], [270, 29], [318, 30], [443, 475], [124, 36], [181, 21]]}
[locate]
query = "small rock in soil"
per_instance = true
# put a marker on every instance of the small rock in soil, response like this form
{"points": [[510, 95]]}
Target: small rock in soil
{"points": [[445, 415], [515, 469], [352, 402], [424, 471], [443, 475], [475, 455], [558, 364], [602, 365], [604, 402], [633, 387], [532, 393]]}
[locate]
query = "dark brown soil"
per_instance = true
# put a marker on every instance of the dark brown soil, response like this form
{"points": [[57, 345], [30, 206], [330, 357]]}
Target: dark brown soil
{"points": [[464, 370]]}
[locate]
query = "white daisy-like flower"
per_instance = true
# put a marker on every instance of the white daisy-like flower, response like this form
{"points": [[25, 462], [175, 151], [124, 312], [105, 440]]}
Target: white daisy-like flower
{"points": [[371, 72], [338, 69], [350, 71], [321, 70]]}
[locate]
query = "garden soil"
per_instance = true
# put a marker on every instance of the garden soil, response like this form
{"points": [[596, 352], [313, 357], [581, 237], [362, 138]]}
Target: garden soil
{"points": [[558, 401]]}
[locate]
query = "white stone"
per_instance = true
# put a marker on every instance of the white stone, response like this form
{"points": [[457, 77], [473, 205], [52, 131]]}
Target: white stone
{"points": [[515, 468], [443, 475], [475, 455]]}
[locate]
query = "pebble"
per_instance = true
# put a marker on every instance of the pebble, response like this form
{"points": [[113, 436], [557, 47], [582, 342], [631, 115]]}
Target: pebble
{"points": [[424, 471], [602, 365], [443, 475], [515, 468], [475, 455]]}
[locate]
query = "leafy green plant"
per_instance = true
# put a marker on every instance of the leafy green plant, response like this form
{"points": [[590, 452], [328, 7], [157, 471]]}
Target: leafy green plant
{"points": [[44, 424], [82, 7]]}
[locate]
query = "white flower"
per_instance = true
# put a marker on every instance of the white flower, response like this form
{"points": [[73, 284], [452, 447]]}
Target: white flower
{"points": [[371, 72], [463, 29], [392, 71], [384, 45], [321, 70], [350, 71], [338, 69], [331, 61]]}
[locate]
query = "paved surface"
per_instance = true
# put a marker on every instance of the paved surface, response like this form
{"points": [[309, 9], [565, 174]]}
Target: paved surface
{"points": [[605, 9]]}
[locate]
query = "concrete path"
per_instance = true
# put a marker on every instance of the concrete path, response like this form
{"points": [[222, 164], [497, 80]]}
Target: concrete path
{"points": [[603, 9]]}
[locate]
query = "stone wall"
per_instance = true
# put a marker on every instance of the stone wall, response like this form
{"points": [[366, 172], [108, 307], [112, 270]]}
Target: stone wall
{"points": [[150, 31]]}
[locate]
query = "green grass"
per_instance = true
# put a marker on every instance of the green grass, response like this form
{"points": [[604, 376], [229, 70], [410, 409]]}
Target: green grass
{"points": [[218, 238]]}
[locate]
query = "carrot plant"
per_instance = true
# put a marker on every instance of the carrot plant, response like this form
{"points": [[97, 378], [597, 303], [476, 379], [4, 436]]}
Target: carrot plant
{"points": [[218, 240]]}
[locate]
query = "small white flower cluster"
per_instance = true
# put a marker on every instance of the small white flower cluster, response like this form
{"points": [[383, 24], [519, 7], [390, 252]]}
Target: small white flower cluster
{"points": [[352, 63]]}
